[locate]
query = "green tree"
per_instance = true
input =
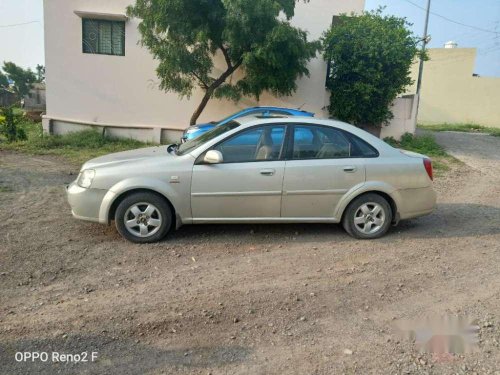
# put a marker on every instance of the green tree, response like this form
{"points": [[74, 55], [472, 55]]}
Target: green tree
{"points": [[40, 73], [371, 56], [4, 82], [185, 36], [9, 125], [23, 78]]}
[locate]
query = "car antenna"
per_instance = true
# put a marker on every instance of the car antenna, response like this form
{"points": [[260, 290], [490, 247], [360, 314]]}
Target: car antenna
{"points": [[300, 108]]}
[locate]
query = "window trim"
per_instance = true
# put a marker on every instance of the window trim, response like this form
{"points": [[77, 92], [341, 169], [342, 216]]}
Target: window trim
{"points": [[286, 153], [99, 21], [345, 133], [199, 159]]}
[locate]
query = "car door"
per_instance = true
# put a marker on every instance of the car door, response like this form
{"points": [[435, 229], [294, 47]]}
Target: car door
{"points": [[247, 184], [319, 171]]}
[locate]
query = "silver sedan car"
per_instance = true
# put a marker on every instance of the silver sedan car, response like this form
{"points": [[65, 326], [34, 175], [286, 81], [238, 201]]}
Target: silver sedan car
{"points": [[279, 170]]}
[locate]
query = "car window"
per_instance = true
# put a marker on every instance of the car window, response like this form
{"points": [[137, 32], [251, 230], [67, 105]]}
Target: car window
{"points": [[361, 148], [256, 144], [319, 142], [205, 137]]}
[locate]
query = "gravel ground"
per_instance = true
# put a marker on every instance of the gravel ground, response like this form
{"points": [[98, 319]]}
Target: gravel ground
{"points": [[247, 299]]}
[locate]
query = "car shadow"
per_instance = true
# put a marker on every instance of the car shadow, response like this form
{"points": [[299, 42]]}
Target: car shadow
{"points": [[453, 220], [449, 220], [257, 233]]}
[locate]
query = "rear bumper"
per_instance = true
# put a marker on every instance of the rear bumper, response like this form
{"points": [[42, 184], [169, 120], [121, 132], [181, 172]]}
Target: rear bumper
{"points": [[416, 202], [85, 203]]}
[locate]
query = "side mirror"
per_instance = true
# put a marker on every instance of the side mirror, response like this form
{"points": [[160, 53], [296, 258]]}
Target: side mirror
{"points": [[213, 157]]}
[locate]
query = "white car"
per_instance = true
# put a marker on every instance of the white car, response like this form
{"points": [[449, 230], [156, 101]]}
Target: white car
{"points": [[279, 170]]}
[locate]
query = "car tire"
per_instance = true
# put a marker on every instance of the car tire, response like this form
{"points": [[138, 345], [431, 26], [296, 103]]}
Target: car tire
{"points": [[367, 217], [143, 217]]}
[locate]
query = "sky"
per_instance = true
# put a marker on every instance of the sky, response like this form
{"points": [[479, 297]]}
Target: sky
{"points": [[21, 28], [481, 14]]}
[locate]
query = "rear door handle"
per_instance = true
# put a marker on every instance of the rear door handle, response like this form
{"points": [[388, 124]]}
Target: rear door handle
{"points": [[267, 172], [350, 168]]}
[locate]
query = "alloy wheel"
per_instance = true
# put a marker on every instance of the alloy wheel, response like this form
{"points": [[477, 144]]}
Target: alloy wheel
{"points": [[369, 218], [142, 219]]}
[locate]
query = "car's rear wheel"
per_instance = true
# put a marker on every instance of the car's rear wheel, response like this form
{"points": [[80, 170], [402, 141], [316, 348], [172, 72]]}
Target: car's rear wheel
{"points": [[368, 216], [143, 217]]}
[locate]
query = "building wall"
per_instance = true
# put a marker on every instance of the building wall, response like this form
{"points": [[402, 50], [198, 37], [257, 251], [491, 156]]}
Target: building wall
{"points": [[36, 99], [451, 94], [7, 98], [123, 91], [404, 121]]}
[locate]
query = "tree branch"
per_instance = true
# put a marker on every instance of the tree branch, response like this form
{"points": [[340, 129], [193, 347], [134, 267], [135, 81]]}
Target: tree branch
{"points": [[210, 90], [226, 56], [231, 69], [202, 82]]}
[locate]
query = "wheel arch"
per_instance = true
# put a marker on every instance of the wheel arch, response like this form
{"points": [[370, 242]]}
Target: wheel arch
{"points": [[385, 193], [119, 198]]}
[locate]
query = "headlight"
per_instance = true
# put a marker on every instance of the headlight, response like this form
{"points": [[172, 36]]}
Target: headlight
{"points": [[85, 178]]}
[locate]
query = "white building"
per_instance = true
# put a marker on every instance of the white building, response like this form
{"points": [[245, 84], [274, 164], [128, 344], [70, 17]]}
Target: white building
{"points": [[117, 88]]}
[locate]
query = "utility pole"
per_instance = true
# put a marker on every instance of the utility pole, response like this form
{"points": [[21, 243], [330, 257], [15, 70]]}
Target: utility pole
{"points": [[425, 39]]}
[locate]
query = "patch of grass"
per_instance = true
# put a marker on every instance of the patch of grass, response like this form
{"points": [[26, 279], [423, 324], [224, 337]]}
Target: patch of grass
{"points": [[5, 189], [18, 111], [466, 128], [77, 147], [427, 145]]}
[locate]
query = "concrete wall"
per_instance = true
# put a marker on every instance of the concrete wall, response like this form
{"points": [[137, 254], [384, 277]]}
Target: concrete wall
{"points": [[404, 110], [35, 101], [123, 90], [451, 94]]}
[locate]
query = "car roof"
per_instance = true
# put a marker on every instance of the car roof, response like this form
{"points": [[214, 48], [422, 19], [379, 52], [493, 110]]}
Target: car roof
{"points": [[278, 109], [243, 120]]}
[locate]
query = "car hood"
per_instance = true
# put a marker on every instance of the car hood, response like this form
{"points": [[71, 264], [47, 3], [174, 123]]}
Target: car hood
{"points": [[127, 156]]}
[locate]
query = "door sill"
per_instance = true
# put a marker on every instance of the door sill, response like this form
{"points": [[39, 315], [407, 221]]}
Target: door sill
{"points": [[264, 220]]}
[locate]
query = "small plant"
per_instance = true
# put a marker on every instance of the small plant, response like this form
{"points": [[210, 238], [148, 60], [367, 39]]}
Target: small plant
{"points": [[77, 147], [9, 126], [466, 128], [426, 145]]}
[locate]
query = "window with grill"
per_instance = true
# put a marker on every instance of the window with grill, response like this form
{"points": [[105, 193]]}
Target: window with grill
{"points": [[103, 37]]}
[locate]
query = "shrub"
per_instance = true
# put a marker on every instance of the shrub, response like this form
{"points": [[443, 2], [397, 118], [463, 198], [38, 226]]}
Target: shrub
{"points": [[371, 56], [424, 144], [9, 126]]}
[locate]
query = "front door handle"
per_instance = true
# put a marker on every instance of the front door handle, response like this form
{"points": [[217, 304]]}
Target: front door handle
{"points": [[267, 172], [350, 168]]}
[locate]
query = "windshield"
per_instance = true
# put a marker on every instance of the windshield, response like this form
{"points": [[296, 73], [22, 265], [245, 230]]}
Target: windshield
{"points": [[205, 137]]}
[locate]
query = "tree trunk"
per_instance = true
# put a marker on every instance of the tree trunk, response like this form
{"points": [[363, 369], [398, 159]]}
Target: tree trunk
{"points": [[201, 107], [210, 90]]}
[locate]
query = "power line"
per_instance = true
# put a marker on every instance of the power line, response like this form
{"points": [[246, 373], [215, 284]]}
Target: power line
{"points": [[19, 24], [453, 21]]}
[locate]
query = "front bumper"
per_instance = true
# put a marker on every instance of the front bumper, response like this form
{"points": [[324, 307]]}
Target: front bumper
{"points": [[85, 203]]}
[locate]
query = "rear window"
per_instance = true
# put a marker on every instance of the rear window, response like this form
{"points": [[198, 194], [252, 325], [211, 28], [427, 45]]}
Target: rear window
{"points": [[362, 149]]}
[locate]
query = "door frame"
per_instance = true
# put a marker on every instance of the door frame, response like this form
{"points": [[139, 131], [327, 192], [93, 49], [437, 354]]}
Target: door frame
{"points": [[284, 147]]}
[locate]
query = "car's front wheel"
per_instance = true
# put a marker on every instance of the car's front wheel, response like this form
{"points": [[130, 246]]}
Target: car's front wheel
{"points": [[368, 216], [143, 217]]}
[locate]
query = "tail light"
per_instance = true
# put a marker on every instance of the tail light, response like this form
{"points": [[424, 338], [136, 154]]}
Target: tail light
{"points": [[428, 167]]}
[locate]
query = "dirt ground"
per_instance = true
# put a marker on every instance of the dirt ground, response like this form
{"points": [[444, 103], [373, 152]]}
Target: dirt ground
{"points": [[247, 299]]}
